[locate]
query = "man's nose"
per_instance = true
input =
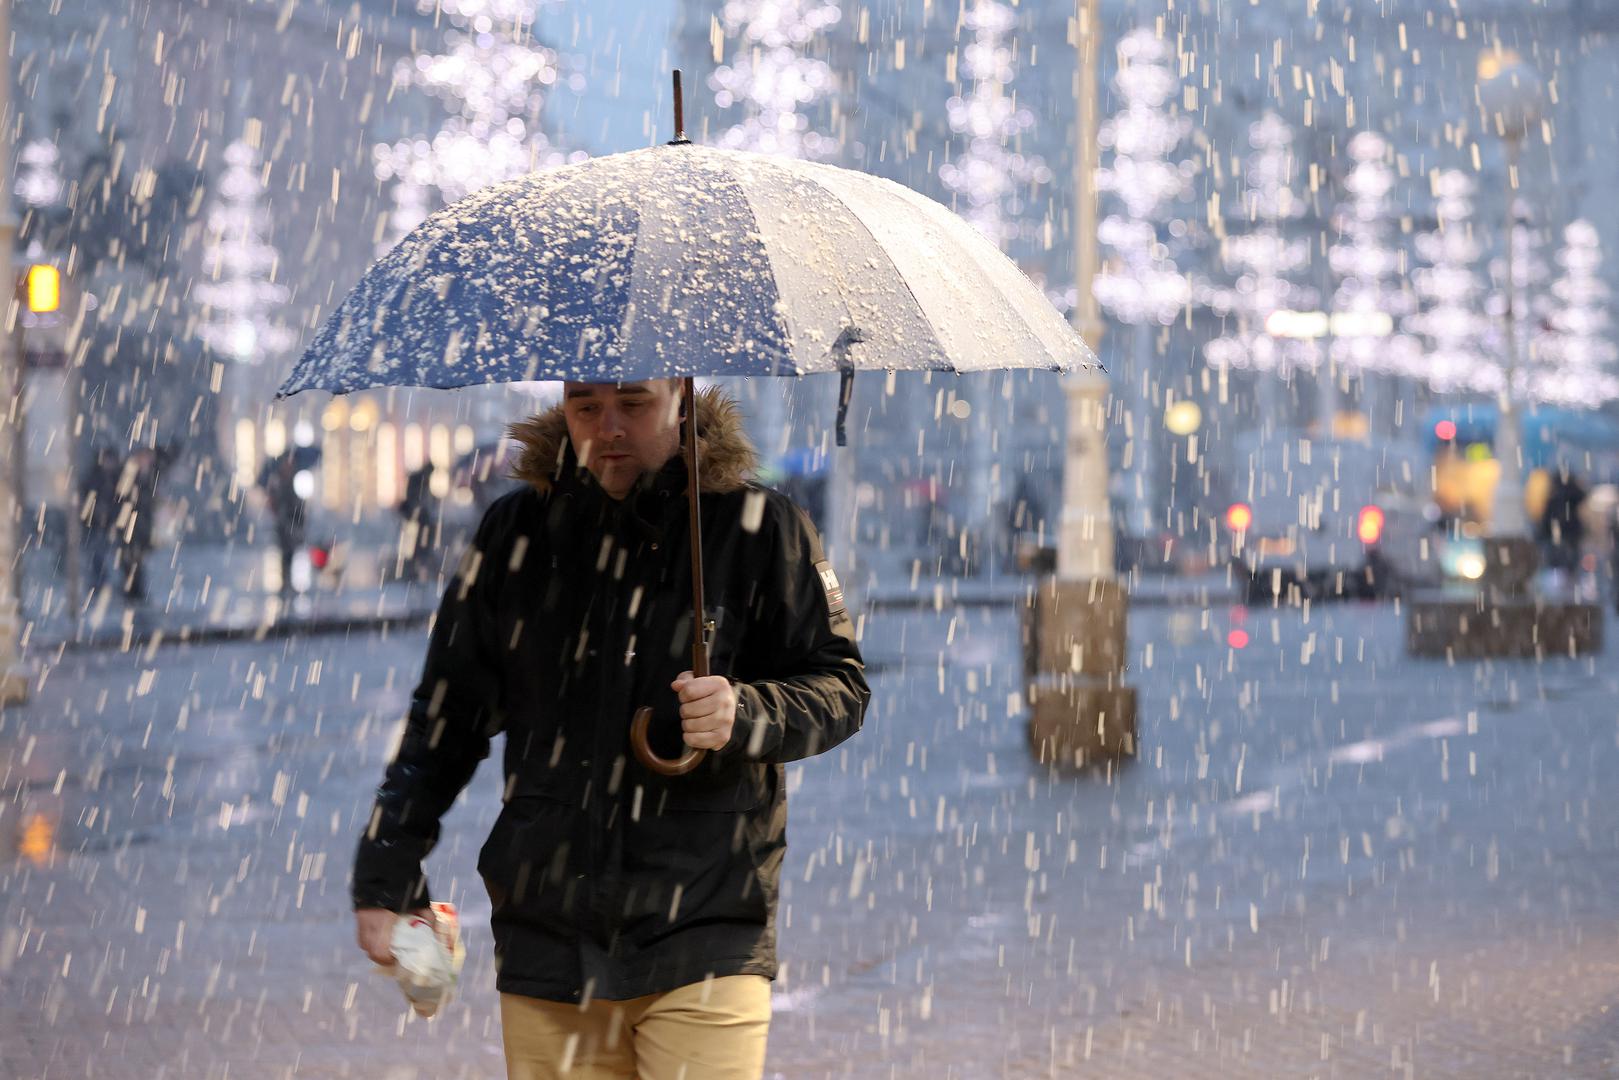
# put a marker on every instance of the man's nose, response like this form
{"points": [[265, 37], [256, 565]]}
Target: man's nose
{"points": [[612, 424]]}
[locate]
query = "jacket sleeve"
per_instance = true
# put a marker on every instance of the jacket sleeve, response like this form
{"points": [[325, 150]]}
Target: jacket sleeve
{"points": [[454, 711], [808, 692]]}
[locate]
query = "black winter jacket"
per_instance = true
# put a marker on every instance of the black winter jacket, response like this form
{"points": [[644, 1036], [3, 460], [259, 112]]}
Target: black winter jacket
{"points": [[571, 610]]}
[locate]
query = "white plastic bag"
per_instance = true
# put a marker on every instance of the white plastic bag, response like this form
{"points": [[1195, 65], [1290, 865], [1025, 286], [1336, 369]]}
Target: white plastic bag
{"points": [[427, 957]]}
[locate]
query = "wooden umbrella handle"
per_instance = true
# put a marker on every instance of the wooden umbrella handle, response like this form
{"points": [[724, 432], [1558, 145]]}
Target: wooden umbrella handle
{"points": [[647, 756]]}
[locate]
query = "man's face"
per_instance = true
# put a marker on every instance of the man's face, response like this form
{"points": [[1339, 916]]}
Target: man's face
{"points": [[621, 430]]}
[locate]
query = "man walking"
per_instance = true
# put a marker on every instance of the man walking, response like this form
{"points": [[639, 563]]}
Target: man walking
{"points": [[634, 913]]}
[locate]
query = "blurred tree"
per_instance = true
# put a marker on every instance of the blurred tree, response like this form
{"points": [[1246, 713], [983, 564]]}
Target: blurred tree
{"points": [[1572, 357], [989, 177], [239, 293], [493, 80], [771, 78], [1372, 296], [1264, 260], [1531, 274], [1451, 319], [1138, 282]]}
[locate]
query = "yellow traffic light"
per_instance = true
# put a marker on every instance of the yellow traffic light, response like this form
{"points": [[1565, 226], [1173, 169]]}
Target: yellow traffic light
{"points": [[44, 289]]}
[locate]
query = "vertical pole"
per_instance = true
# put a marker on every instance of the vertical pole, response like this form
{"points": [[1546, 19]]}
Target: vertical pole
{"points": [[74, 524], [1507, 517], [699, 636], [981, 435], [680, 112], [1326, 393], [19, 431], [1268, 398], [1085, 536], [13, 684], [1144, 497]]}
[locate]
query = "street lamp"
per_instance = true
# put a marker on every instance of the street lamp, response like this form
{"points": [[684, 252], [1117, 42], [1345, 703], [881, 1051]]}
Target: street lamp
{"points": [[1183, 418], [1081, 711], [43, 285], [1511, 94]]}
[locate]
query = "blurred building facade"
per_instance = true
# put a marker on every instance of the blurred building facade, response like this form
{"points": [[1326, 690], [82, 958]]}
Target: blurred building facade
{"points": [[141, 104]]}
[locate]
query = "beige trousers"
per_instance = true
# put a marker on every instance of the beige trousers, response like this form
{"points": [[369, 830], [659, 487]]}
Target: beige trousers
{"points": [[711, 1030]]}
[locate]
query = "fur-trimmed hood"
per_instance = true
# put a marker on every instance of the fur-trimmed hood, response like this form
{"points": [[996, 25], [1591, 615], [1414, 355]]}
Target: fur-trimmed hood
{"points": [[726, 458]]}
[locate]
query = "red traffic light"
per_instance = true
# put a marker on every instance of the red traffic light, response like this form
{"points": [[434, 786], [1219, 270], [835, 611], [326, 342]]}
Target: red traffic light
{"points": [[1445, 429], [1369, 527]]}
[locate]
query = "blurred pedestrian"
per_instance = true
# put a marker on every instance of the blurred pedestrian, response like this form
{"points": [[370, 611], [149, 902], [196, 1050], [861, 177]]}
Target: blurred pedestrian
{"points": [[1025, 525], [419, 512], [98, 509], [1561, 530], [634, 912], [1613, 552], [288, 510], [136, 497]]}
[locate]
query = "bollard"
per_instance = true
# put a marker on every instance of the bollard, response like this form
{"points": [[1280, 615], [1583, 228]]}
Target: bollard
{"points": [[1080, 710]]}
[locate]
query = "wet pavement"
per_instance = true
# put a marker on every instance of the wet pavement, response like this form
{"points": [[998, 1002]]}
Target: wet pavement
{"points": [[200, 591], [1329, 860]]}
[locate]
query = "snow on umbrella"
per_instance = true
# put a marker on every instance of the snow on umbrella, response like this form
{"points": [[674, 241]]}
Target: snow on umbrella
{"points": [[681, 261]]}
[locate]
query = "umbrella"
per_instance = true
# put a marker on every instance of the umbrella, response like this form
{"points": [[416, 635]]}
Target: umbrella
{"points": [[682, 261]]}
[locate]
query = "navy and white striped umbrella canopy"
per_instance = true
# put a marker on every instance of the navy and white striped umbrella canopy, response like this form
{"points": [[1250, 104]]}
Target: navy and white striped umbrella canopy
{"points": [[684, 260]]}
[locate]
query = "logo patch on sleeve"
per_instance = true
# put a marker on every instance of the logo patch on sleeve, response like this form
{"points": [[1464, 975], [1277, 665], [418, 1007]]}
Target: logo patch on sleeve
{"points": [[834, 591]]}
